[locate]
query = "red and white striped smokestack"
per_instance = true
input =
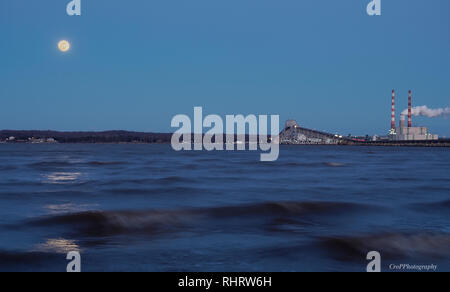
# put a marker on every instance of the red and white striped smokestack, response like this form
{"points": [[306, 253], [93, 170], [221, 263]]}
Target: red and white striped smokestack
{"points": [[393, 111], [410, 110]]}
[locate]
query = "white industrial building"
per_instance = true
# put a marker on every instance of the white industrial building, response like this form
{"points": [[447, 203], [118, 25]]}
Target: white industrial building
{"points": [[413, 134]]}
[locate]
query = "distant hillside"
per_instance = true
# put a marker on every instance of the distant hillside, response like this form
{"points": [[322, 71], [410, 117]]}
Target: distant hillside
{"points": [[95, 137], [89, 137]]}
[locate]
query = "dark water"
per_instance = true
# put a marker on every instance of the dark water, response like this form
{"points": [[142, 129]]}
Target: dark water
{"points": [[147, 208]]}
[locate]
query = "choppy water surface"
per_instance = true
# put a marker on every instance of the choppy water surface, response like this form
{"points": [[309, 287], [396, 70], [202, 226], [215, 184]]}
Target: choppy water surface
{"points": [[147, 208]]}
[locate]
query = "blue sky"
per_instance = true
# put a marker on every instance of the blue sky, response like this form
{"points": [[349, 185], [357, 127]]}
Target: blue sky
{"points": [[136, 64]]}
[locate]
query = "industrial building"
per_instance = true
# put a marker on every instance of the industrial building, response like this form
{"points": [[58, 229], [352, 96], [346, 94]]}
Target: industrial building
{"points": [[407, 133], [294, 134]]}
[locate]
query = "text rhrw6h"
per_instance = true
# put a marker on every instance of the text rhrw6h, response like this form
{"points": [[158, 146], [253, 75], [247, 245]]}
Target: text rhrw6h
{"points": [[74, 8]]}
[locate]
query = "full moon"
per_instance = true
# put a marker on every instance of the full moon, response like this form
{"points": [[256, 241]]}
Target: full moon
{"points": [[64, 46]]}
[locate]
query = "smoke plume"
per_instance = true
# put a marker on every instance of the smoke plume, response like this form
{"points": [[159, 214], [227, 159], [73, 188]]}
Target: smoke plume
{"points": [[428, 112]]}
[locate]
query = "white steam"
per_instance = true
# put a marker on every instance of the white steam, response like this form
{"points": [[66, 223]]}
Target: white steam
{"points": [[428, 112]]}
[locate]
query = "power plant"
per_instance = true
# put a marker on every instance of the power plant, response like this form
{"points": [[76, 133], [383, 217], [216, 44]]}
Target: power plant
{"points": [[407, 133], [402, 134]]}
